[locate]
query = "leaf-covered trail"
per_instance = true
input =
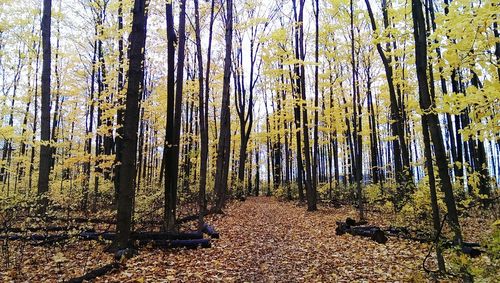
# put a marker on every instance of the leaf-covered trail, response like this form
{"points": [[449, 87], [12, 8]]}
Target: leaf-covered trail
{"points": [[264, 240]]}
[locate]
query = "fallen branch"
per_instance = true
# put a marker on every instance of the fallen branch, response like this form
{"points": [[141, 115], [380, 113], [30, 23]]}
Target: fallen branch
{"points": [[468, 248], [93, 274]]}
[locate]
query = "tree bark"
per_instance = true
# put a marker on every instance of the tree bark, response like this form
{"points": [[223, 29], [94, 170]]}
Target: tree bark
{"points": [[120, 101], [224, 145], [427, 105], [399, 144], [316, 96], [174, 116], [135, 76], [45, 150], [357, 138], [202, 201]]}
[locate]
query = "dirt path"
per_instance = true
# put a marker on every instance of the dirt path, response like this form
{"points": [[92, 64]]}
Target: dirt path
{"points": [[264, 240]]}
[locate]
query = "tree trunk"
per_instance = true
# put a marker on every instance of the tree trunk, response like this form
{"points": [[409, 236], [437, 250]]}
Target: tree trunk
{"points": [[45, 150], [35, 120], [89, 120], [310, 188], [174, 115], [202, 201], [316, 97], [373, 130], [224, 145], [427, 106], [398, 144], [135, 76], [357, 138], [120, 101]]}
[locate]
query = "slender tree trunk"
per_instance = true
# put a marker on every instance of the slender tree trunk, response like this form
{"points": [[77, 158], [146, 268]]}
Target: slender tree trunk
{"points": [[89, 127], [57, 106], [427, 105], [310, 188], [257, 173], [120, 103], [22, 167], [316, 96], [373, 130], [276, 148], [399, 144], [432, 187], [269, 159], [174, 117], [35, 119], [135, 77], [45, 150], [7, 147], [202, 201], [357, 138], [301, 122], [224, 145]]}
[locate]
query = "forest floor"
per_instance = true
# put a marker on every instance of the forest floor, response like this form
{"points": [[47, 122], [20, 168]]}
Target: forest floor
{"points": [[265, 240], [261, 240]]}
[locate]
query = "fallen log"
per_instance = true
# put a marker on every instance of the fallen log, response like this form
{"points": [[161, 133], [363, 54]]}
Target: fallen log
{"points": [[144, 236], [83, 220], [35, 237], [166, 236], [209, 230], [93, 274], [36, 229], [373, 232], [88, 235], [351, 222], [92, 235], [172, 244]]}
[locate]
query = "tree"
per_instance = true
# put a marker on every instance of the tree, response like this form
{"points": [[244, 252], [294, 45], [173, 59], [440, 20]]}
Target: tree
{"points": [[400, 150], [316, 94], [300, 110], [174, 103], [45, 150], [135, 74], [120, 111], [431, 118], [357, 138], [224, 145]]}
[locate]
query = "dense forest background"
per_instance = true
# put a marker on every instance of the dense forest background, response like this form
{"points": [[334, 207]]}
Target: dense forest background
{"points": [[165, 111]]}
